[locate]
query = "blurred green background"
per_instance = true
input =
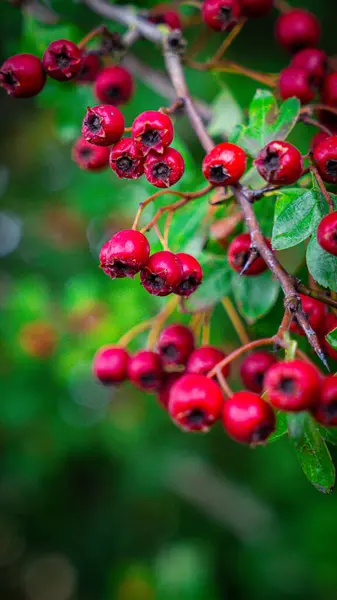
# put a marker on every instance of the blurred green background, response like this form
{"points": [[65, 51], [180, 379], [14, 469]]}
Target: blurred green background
{"points": [[101, 497]]}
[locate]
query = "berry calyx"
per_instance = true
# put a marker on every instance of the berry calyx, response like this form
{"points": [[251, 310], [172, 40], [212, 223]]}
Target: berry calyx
{"points": [[220, 15], [90, 67], [164, 170], [204, 359], [195, 402], [162, 273], [153, 130], [125, 254], [126, 159], [326, 410], [297, 28], [62, 60], [279, 163], [325, 157], [330, 325], [254, 368], [103, 125], [327, 233], [145, 370], [110, 364], [296, 81], [315, 312], [113, 85], [293, 386], [239, 253], [90, 157], [248, 419], [163, 13], [22, 76], [256, 8], [314, 61], [192, 275], [224, 164], [175, 344]]}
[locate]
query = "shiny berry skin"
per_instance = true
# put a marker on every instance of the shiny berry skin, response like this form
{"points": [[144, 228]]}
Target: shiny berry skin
{"points": [[295, 81], [192, 275], [316, 314], [22, 76], [314, 61], [110, 364], [325, 157], [330, 325], [254, 368], [195, 402], [327, 233], [224, 164], [163, 13], [90, 157], [103, 125], [90, 67], [329, 92], [255, 8], [297, 28], [220, 15], [293, 385], [126, 159], [162, 274], [62, 60], [203, 360], [164, 170], [175, 344], [279, 163], [145, 370], [318, 138], [125, 254], [153, 130], [113, 85], [248, 419], [326, 410], [164, 391], [238, 254]]}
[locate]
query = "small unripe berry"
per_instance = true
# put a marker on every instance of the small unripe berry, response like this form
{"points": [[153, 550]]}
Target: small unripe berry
{"points": [[239, 253], [192, 275], [103, 125], [62, 60], [220, 15], [293, 385], [164, 391], [248, 419], [279, 163], [204, 359], [296, 81], [164, 170], [256, 8], [90, 157], [163, 13], [330, 325], [145, 370], [315, 312], [195, 402], [162, 273], [254, 368], [153, 130], [314, 61], [126, 159], [327, 233], [90, 67], [175, 344], [329, 92], [22, 76], [326, 410], [224, 164], [325, 157], [297, 28], [113, 85], [125, 254], [110, 364]]}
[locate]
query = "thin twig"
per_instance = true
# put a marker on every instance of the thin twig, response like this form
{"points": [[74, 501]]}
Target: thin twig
{"points": [[235, 320]]}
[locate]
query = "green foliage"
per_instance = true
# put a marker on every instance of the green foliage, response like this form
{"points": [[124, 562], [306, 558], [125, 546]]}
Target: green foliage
{"points": [[226, 114], [255, 296], [332, 338], [216, 282]]}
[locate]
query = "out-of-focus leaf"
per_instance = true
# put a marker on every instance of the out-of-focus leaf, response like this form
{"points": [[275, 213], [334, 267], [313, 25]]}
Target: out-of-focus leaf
{"points": [[322, 265], [255, 296], [37, 36], [216, 282], [281, 427], [226, 112], [329, 434], [332, 338], [296, 213]]}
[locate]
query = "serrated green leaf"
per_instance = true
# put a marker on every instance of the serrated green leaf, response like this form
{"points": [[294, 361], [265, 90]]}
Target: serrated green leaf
{"points": [[281, 427], [226, 114], [322, 265], [332, 338], [295, 217], [255, 296], [216, 282]]}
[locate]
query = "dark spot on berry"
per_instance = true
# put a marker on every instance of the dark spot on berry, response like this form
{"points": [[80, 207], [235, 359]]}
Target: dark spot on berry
{"points": [[86, 153], [196, 417], [331, 410], [62, 60], [261, 433], [151, 138], [161, 171], [114, 92], [157, 283], [272, 161], [120, 268], [94, 123], [148, 379], [225, 14], [288, 386], [331, 167], [170, 352], [125, 164], [258, 378], [218, 174]]}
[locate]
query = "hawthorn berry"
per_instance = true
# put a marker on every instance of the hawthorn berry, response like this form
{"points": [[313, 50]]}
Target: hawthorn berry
{"points": [[325, 157], [314, 61], [62, 60], [330, 325], [248, 419], [126, 159], [239, 252], [254, 368], [22, 76], [329, 92], [153, 130], [125, 254], [326, 410], [113, 85], [318, 138], [90, 67], [164, 14], [279, 163], [297, 28], [293, 385], [90, 157], [110, 364], [145, 370], [327, 233], [296, 81], [192, 275], [164, 170], [220, 15], [164, 391], [204, 359], [175, 344], [103, 125], [224, 164], [195, 402], [162, 273], [315, 312], [256, 8]]}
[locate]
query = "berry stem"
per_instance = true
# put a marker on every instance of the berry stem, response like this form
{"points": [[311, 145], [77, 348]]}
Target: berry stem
{"points": [[282, 6], [133, 332], [269, 80], [170, 110], [206, 328], [227, 42], [223, 384], [285, 325], [310, 121], [158, 321], [235, 320], [237, 353], [167, 229], [94, 33]]}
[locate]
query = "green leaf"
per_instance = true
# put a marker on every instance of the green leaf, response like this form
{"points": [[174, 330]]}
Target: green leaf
{"points": [[188, 231], [296, 213], [329, 434], [36, 36], [216, 282], [255, 296], [322, 265], [226, 114], [296, 423], [281, 427], [332, 338]]}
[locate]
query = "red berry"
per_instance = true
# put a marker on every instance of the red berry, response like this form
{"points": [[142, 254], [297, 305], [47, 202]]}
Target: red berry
{"points": [[239, 252], [195, 402], [203, 360], [163, 13], [220, 15], [175, 344], [256, 8], [90, 66], [126, 159], [113, 85], [318, 138], [163, 394], [162, 274], [326, 410], [22, 75], [103, 125], [111, 364], [325, 157], [330, 325], [224, 164], [254, 368], [125, 254], [327, 233], [164, 170], [192, 275], [145, 370], [153, 130], [316, 314], [314, 61], [296, 81], [62, 60], [279, 163], [90, 157], [329, 92], [248, 419], [293, 385], [297, 28]]}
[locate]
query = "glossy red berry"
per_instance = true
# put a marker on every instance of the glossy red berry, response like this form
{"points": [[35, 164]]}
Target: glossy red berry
{"points": [[195, 402], [330, 325], [316, 314], [110, 364], [125, 254], [113, 85], [90, 67], [220, 15], [90, 157], [164, 391], [248, 419], [293, 385], [318, 138], [327, 233], [297, 28], [256, 8], [153, 130], [254, 368], [164, 170], [22, 76], [162, 273], [314, 61], [329, 92], [326, 410], [163, 13], [126, 159], [224, 164], [103, 125], [325, 157], [203, 360], [145, 370], [62, 60], [279, 163], [239, 253], [175, 344], [192, 275], [296, 82]]}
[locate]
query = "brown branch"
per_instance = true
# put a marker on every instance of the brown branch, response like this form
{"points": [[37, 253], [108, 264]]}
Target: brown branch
{"points": [[317, 294]]}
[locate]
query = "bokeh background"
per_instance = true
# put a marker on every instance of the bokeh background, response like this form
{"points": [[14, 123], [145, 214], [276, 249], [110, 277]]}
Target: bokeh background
{"points": [[101, 497]]}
